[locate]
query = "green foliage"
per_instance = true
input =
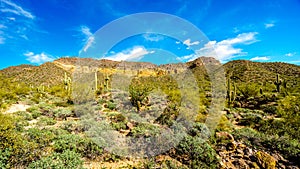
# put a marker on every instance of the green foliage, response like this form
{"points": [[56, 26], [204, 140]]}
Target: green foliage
{"points": [[111, 106], [73, 126], [169, 114], [248, 90], [289, 148], [67, 159], [138, 93], [145, 130], [4, 157], [83, 146], [24, 115], [196, 153], [250, 119], [63, 113], [44, 121]]}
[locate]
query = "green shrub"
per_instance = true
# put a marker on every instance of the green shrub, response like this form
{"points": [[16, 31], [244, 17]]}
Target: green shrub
{"points": [[24, 115], [250, 119], [67, 159], [145, 130], [73, 126], [111, 106], [44, 121], [195, 153], [63, 113], [35, 114], [84, 146], [4, 157], [43, 137]]}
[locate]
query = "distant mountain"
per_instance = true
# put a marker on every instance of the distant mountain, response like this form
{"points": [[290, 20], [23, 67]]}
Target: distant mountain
{"points": [[248, 71]]}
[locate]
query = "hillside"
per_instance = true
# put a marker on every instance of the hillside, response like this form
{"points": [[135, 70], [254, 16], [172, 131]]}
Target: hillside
{"points": [[62, 115]]}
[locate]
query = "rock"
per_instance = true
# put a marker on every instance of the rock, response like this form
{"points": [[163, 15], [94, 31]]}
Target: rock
{"points": [[129, 125], [265, 160], [248, 151], [240, 151], [254, 165], [227, 165], [240, 164], [225, 135]]}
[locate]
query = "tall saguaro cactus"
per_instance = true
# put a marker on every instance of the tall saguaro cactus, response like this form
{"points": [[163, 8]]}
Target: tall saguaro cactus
{"points": [[106, 82], [96, 81], [67, 83], [231, 94], [277, 83]]}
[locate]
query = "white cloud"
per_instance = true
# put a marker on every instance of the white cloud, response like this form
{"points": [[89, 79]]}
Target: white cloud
{"points": [[86, 31], [134, 54], [153, 37], [186, 57], [11, 18], [38, 58], [260, 58], [269, 25], [89, 43], [89, 39], [290, 54], [16, 9], [189, 43], [2, 26], [225, 49]]}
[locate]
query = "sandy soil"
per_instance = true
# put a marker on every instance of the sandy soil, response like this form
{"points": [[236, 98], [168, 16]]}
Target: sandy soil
{"points": [[17, 107]]}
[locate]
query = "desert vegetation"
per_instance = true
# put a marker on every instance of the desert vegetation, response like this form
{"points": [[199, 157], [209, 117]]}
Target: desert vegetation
{"points": [[44, 123]]}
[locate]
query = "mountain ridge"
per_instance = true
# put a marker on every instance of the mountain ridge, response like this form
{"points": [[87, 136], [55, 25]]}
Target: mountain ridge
{"points": [[51, 73]]}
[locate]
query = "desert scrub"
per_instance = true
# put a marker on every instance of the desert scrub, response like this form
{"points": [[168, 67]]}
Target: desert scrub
{"points": [[73, 126], [24, 115], [84, 146], [67, 159], [195, 152], [44, 121], [145, 130], [63, 113], [4, 157]]}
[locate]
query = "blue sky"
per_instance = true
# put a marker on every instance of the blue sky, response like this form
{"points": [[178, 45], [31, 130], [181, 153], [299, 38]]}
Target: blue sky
{"points": [[35, 31]]}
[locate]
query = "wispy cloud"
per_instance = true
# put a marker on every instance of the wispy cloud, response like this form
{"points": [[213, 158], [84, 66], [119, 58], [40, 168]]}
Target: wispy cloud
{"points": [[2, 40], [269, 25], [16, 22], [189, 43], [152, 37], [225, 49], [2, 26], [15, 9], [38, 58], [133, 54], [86, 31], [260, 58], [290, 54], [88, 37]]}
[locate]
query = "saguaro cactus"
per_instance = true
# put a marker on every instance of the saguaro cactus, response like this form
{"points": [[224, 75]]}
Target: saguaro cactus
{"points": [[231, 94], [67, 83], [96, 81], [106, 82], [277, 83]]}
